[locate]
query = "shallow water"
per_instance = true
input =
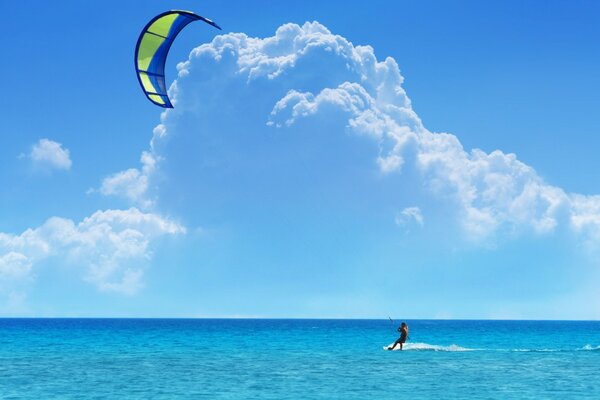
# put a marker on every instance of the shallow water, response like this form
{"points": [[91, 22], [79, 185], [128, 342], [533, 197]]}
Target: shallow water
{"points": [[296, 359]]}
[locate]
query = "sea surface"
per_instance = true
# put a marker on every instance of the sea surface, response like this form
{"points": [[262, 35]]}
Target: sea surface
{"points": [[297, 359]]}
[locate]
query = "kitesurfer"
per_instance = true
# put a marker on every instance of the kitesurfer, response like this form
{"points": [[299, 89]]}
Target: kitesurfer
{"points": [[403, 329]]}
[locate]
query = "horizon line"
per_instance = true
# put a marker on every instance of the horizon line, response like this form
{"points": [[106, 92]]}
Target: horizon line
{"points": [[299, 319]]}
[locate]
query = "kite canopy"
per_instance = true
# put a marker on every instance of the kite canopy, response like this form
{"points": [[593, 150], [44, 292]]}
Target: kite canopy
{"points": [[152, 48]]}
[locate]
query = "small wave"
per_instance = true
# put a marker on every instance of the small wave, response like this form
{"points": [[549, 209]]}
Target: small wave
{"points": [[429, 347], [587, 347], [535, 350]]}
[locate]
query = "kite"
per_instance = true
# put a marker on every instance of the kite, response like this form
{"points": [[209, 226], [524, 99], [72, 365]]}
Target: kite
{"points": [[152, 48]]}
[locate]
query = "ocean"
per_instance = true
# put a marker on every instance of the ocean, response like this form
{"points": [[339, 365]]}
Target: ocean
{"points": [[297, 359]]}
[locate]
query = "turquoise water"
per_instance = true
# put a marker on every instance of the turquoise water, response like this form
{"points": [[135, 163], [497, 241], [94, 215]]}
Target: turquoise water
{"points": [[296, 359]]}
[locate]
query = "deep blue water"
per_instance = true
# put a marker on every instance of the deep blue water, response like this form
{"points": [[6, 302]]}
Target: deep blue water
{"points": [[297, 359]]}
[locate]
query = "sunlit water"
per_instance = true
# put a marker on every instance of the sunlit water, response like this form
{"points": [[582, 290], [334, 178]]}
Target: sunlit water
{"points": [[297, 359]]}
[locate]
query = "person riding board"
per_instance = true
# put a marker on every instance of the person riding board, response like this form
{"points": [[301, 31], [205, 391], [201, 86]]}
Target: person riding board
{"points": [[403, 329]]}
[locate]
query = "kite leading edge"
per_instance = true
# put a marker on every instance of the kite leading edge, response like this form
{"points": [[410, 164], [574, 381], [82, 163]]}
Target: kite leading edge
{"points": [[152, 48]]}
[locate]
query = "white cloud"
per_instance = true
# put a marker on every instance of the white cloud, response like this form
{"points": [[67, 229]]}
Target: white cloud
{"points": [[491, 190], [311, 76], [111, 247], [14, 265], [132, 184], [48, 154], [408, 215]]}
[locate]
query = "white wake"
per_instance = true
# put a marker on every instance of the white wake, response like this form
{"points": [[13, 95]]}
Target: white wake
{"points": [[428, 347]]}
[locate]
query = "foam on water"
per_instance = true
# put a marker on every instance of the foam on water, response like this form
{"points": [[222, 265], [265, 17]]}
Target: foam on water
{"points": [[429, 347], [587, 347], [457, 348]]}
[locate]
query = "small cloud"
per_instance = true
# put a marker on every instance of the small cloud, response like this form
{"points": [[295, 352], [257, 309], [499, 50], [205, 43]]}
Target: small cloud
{"points": [[409, 215], [131, 184], [48, 154]]}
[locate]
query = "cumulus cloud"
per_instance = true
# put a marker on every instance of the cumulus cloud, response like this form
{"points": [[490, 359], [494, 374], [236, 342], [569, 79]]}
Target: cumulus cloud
{"points": [[492, 190], [48, 154], [313, 78], [110, 247], [132, 184]]}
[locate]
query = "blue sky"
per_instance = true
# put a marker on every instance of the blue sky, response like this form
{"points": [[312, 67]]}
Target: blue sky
{"points": [[414, 159]]}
